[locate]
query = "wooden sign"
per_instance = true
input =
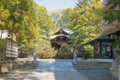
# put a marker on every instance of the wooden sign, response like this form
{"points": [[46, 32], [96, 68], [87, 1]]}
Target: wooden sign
{"points": [[11, 48]]}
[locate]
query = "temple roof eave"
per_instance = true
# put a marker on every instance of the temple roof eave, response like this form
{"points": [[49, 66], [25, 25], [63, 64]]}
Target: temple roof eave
{"points": [[53, 37], [65, 30]]}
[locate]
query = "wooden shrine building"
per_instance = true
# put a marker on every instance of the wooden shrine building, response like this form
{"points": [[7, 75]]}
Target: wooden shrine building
{"points": [[103, 47], [60, 37]]}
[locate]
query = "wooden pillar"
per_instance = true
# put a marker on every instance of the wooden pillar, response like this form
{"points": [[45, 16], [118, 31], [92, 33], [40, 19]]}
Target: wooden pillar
{"points": [[100, 49]]}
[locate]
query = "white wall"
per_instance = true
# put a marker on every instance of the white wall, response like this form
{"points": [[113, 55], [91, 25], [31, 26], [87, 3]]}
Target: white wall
{"points": [[4, 34]]}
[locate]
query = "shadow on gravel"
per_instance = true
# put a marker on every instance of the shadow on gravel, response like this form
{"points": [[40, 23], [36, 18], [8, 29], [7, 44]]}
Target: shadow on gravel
{"points": [[97, 74]]}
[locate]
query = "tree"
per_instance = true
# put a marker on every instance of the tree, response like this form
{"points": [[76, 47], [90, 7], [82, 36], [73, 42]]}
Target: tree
{"points": [[85, 22], [18, 17], [44, 21], [26, 20], [115, 16], [114, 12], [46, 28], [4, 14]]}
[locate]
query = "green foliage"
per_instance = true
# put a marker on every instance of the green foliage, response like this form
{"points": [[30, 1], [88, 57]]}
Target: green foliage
{"points": [[27, 20], [4, 14], [64, 52], [46, 28], [18, 17], [85, 22], [44, 22], [85, 51], [46, 54], [116, 42], [43, 44], [89, 51], [114, 12], [32, 25], [113, 1]]}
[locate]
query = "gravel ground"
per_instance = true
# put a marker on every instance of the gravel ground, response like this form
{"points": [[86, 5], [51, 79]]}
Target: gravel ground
{"points": [[19, 74], [97, 74], [15, 75]]}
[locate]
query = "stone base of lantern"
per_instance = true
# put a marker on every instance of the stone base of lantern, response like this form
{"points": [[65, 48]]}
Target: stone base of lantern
{"points": [[115, 68]]}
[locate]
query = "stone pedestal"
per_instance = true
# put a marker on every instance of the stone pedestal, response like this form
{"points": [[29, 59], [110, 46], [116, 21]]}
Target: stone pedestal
{"points": [[119, 72], [115, 66]]}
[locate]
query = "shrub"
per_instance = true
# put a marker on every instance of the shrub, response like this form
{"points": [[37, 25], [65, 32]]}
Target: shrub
{"points": [[47, 54], [64, 52], [85, 51], [89, 51]]}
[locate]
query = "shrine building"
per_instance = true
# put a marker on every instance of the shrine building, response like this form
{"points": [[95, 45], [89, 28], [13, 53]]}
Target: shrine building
{"points": [[60, 37]]}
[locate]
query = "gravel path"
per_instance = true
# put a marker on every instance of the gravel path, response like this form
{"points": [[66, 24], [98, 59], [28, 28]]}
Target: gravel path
{"points": [[97, 74], [19, 74], [55, 69]]}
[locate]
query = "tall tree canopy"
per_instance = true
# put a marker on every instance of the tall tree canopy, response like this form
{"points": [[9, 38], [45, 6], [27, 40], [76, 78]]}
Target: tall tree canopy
{"points": [[26, 20], [46, 27], [85, 22], [18, 17], [115, 12]]}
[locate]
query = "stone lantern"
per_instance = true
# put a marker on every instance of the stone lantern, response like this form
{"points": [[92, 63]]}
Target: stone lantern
{"points": [[115, 68]]}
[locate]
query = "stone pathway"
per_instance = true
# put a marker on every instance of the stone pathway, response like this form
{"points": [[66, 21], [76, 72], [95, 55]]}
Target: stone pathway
{"points": [[52, 69]]}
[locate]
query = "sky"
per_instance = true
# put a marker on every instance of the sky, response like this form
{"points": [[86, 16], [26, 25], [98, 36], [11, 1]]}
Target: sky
{"points": [[56, 4]]}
